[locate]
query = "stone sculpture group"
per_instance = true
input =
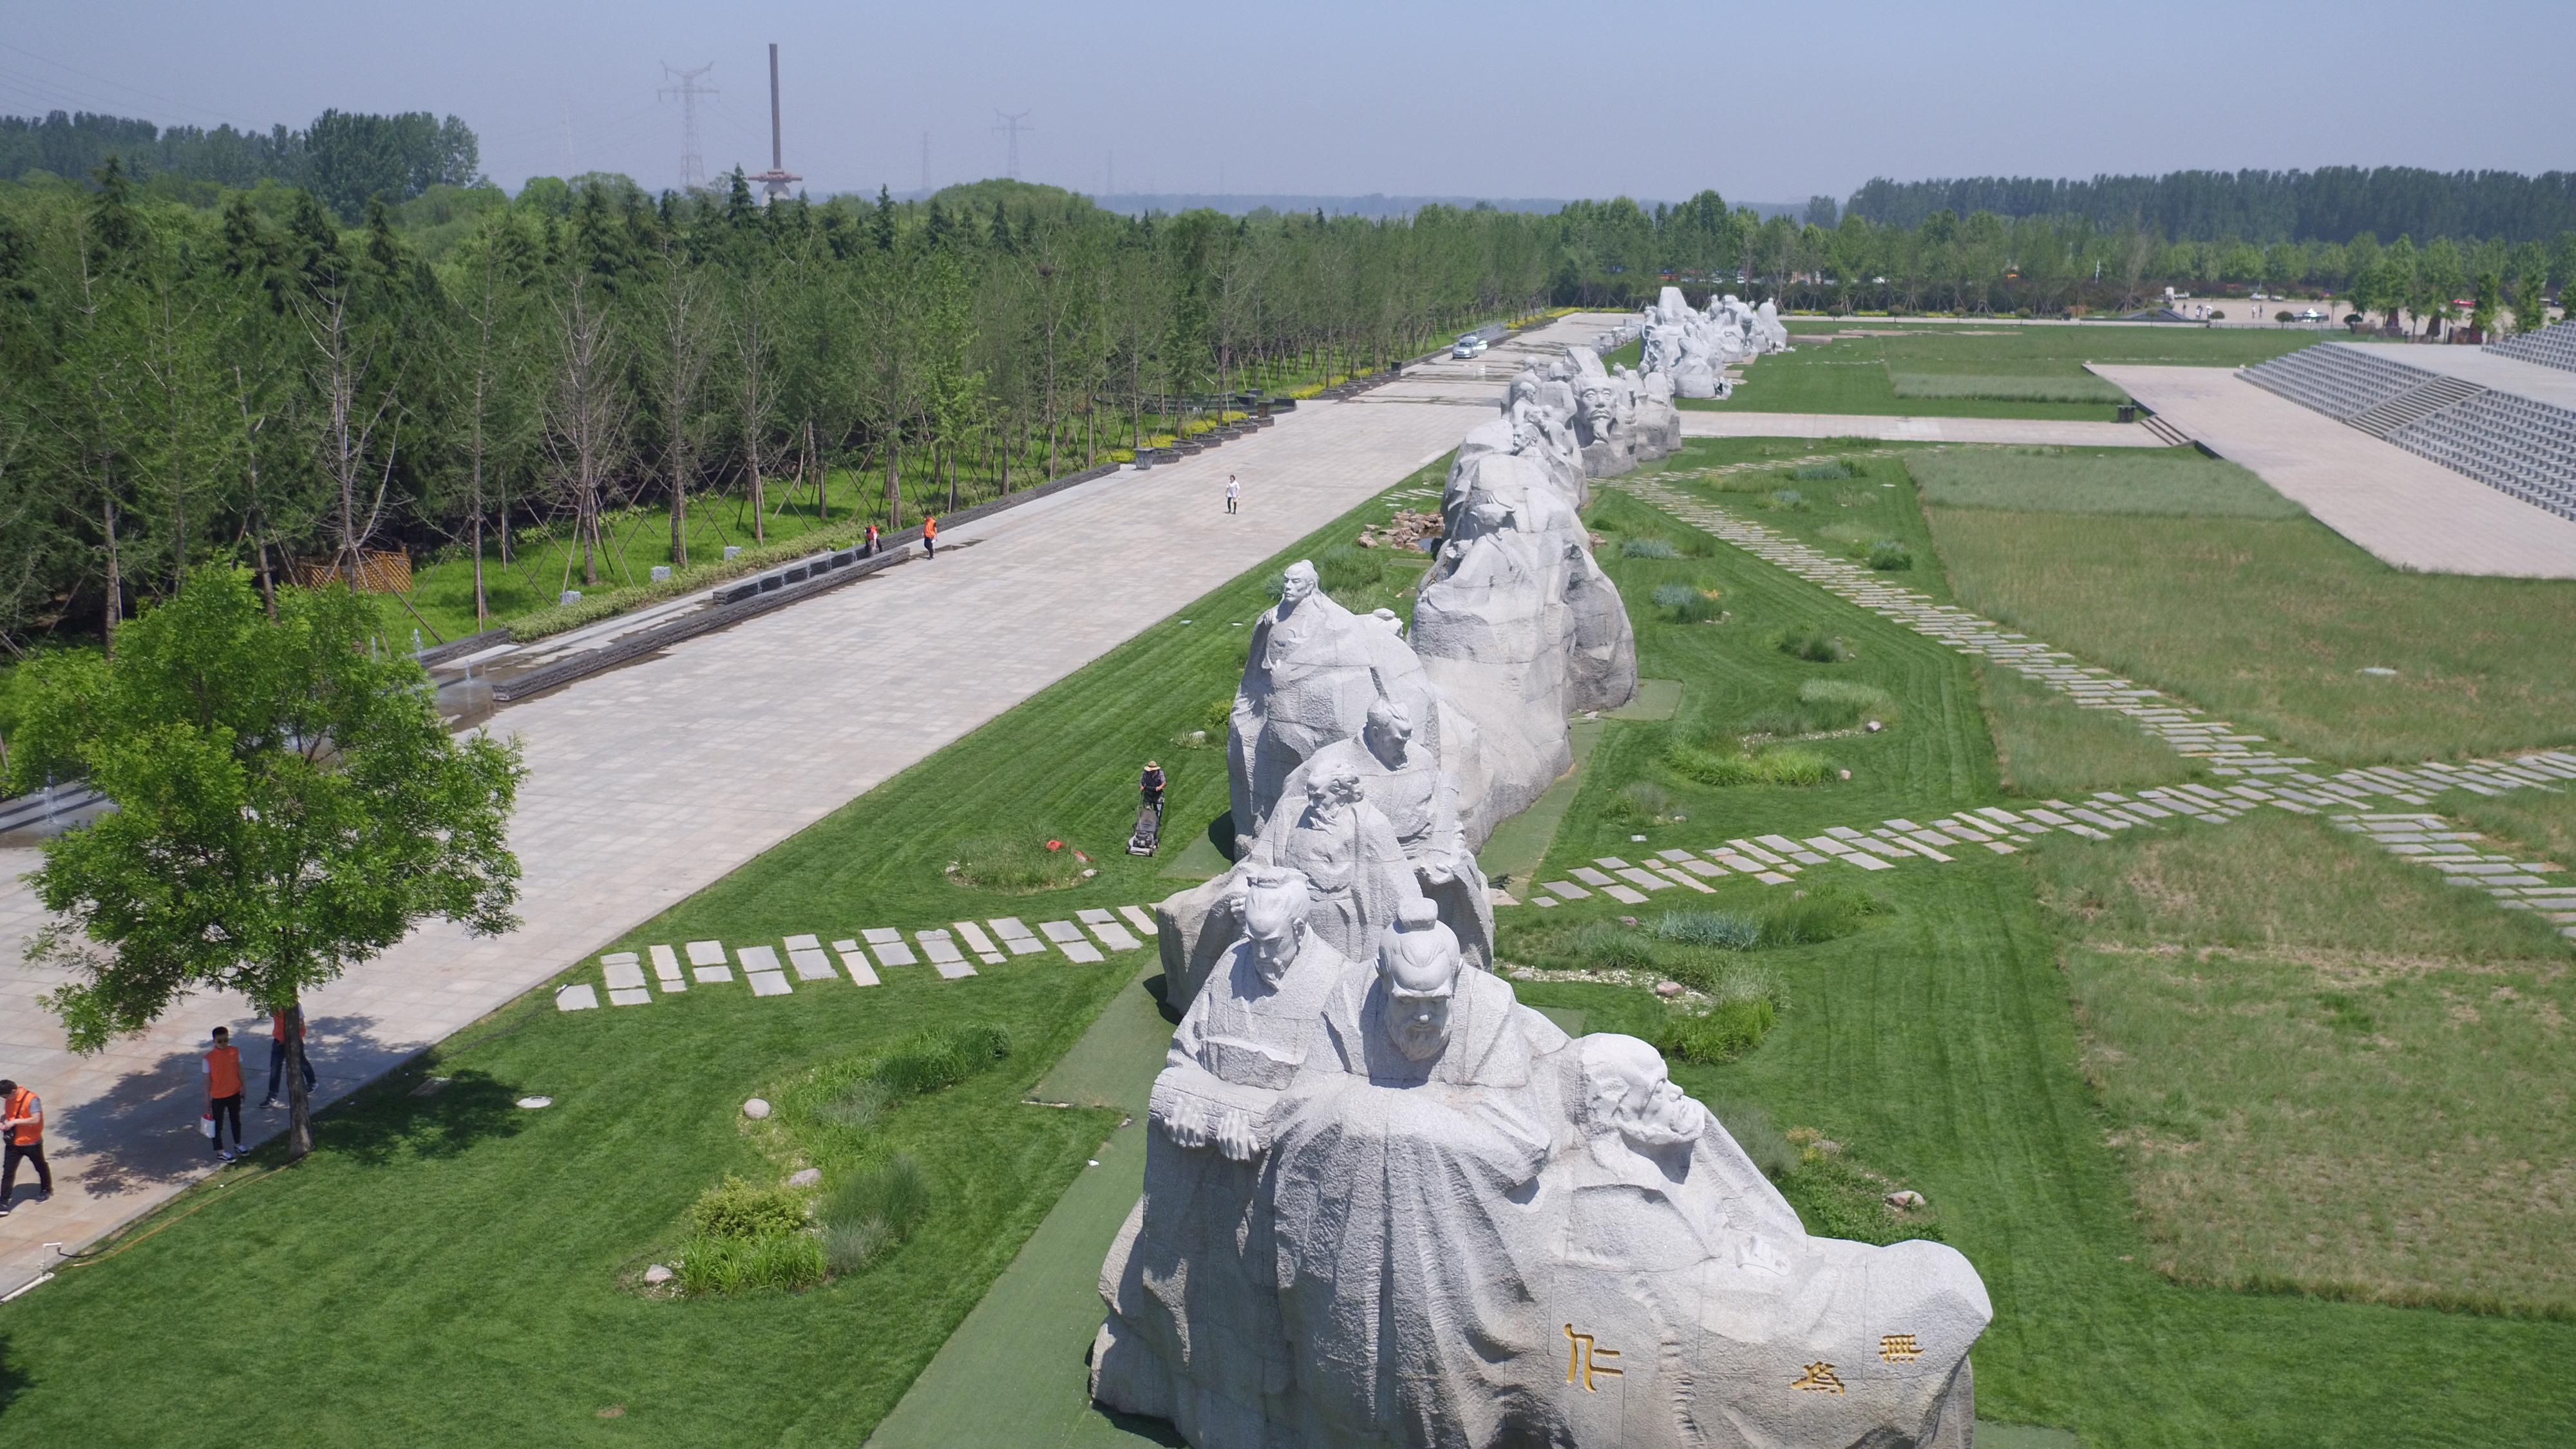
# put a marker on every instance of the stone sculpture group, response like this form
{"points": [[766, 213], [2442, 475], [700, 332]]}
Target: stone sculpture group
{"points": [[1387, 1205], [1696, 347]]}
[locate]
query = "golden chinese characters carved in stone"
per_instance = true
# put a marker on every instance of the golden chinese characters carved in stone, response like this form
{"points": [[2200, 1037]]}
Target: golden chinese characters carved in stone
{"points": [[1818, 1379], [1583, 1360]]}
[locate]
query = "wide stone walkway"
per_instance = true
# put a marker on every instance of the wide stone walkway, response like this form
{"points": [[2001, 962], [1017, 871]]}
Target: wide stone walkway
{"points": [[651, 782], [2408, 511]]}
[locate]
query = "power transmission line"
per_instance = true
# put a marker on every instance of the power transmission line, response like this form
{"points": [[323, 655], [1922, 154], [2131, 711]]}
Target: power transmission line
{"points": [[1014, 125], [693, 163]]}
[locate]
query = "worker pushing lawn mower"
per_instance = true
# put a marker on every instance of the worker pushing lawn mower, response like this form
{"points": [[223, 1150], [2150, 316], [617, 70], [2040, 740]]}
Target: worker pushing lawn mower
{"points": [[1148, 835]]}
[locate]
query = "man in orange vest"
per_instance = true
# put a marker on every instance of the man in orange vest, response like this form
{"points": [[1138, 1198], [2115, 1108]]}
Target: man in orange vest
{"points": [[22, 1122], [930, 536], [224, 1091]]}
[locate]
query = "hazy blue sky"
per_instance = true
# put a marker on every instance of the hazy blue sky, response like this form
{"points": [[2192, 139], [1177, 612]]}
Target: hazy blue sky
{"points": [[1499, 98]]}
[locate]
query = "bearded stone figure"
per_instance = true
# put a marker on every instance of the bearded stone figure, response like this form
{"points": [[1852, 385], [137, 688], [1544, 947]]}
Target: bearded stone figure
{"points": [[1348, 852]]}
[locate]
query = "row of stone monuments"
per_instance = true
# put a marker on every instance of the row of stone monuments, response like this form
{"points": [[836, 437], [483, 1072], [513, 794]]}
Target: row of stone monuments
{"points": [[1387, 1205], [1695, 348]]}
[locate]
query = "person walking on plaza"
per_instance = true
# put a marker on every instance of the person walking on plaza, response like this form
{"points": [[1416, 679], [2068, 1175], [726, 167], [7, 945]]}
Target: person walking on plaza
{"points": [[278, 1053], [1233, 491], [930, 536], [22, 1122], [224, 1091]]}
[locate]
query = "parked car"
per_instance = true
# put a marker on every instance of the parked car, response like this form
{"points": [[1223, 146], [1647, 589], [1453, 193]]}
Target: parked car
{"points": [[1469, 345], [2312, 315]]}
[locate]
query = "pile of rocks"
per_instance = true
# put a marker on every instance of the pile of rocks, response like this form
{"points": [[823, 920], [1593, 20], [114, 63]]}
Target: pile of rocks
{"points": [[1408, 530]]}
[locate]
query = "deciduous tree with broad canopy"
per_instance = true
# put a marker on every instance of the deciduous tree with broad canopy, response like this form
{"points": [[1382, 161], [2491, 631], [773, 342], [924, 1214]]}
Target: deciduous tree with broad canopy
{"points": [[288, 803]]}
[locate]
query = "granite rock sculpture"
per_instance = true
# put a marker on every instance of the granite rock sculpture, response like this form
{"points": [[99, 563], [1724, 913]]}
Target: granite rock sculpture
{"points": [[1479, 1233]]}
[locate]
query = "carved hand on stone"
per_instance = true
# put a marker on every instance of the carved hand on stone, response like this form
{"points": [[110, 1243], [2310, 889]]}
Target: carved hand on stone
{"points": [[1187, 1124], [1236, 1137]]}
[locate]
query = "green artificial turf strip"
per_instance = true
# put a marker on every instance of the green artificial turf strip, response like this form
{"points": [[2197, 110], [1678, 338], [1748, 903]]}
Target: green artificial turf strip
{"points": [[450, 1270], [2171, 481], [2268, 624]]}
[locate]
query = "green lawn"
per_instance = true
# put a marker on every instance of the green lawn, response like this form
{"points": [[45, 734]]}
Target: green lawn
{"points": [[1997, 371], [2269, 624], [449, 1270]]}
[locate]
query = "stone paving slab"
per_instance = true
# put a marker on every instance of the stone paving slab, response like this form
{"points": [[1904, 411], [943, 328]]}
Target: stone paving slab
{"points": [[614, 824]]}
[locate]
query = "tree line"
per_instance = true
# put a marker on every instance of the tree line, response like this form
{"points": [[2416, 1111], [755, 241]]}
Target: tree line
{"points": [[2329, 204], [346, 158], [256, 382]]}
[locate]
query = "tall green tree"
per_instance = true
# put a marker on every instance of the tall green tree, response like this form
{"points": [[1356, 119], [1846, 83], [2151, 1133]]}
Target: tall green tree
{"points": [[288, 805]]}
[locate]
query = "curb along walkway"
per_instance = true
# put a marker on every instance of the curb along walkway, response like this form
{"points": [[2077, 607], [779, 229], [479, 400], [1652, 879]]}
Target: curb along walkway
{"points": [[651, 782]]}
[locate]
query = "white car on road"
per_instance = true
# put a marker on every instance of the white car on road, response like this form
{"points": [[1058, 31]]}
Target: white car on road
{"points": [[1470, 345]]}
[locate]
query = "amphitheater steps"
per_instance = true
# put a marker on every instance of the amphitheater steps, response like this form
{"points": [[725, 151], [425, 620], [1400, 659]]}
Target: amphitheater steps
{"points": [[2414, 406]]}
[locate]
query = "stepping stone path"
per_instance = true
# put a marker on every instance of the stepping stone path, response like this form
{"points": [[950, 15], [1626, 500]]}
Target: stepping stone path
{"points": [[2260, 775], [947, 948]]}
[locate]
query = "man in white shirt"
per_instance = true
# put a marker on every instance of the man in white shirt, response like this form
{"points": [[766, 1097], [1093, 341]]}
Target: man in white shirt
{"points": [[1233, 491]]}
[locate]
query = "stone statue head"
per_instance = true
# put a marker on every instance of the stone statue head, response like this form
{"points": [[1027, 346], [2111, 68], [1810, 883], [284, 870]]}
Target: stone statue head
{"points": [[1274, 904], [1333, 789], [1627, 1090], [1417, 964], [1389, 729], [1297, 584]]}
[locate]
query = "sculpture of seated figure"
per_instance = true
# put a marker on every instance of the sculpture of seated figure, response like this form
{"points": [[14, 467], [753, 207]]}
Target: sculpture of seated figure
{"points": [[1731, 1326], [1193, 1333], [1314, 667], [1401, 1207], [1348, 851], [1420, 802]]}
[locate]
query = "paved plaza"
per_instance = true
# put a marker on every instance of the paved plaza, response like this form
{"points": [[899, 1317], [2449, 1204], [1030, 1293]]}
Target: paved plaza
{"points": [[2407, 511], [653, 781]]}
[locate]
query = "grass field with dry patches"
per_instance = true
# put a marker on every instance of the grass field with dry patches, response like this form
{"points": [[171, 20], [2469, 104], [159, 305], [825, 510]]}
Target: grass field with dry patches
{"points": [[2329, 1071]]}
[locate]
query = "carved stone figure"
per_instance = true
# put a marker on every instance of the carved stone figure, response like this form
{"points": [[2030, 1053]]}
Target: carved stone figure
{"points": [[1399, 1198], [1345, 846], [1402, 782], [1729, 1324], [1193, 1332], [1313, 671]]}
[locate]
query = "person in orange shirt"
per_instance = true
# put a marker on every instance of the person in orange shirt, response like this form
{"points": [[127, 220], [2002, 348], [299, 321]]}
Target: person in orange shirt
{"points": [[930, 536], [277, 1054], [224, 1091], [22, 1122]]}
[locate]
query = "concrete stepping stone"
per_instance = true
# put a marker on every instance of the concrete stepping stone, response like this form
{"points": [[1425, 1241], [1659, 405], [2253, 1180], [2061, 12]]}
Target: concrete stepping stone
{"points": [[1114, 936], [1772, 877], [1141, 920], [576, 998], [666, 969], [1866, 861], [1092, 917], [1675, 877], [809, 960], [1697, 866], [621, 972], [760, 967], [715, 975], [1623, 894], [886, 944], [706, 953], [1068, 938], [1589, 876], [1017, 936], [629, 996], [855, 961], [981, 944], [1565, 888], [944, 955], [1646, 878]]}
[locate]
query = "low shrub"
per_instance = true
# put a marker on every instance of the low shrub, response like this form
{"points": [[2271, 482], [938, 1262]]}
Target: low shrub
{"points": [[1786, 766], [1717, 1036], [735, 1210], [1015, 864], [930, 1060], [1643, 802], [1689, 603], [859, 1107], [784, 1261], [1731, 930], [1889, 555], [1835, 704], [1820, 473], [1810, 642], [1346, 572], [1218, 718], [1788, 500], [1674, 596], [874, 1210], [1608, 946], [1648, 548], [1820, 913]]}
